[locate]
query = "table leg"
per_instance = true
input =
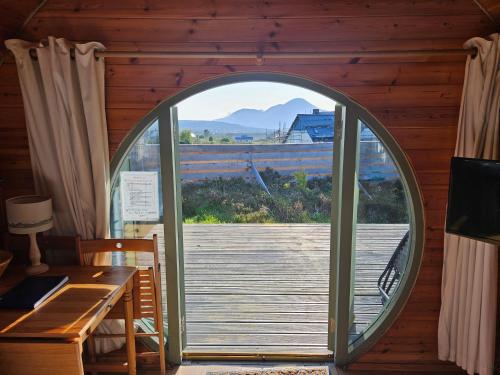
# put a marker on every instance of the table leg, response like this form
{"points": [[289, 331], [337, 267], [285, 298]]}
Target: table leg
{"points": [[129, 328]]}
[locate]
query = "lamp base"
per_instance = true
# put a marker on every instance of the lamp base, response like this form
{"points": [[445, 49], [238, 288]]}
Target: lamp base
{"points": [[36, 270], [36, 266]]}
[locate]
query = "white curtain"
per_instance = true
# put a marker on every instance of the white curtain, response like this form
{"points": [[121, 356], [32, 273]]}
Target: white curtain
{"points": [[467, 322], [67, 133]]}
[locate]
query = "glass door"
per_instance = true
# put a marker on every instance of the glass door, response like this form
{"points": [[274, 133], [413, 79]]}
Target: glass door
{"points": [[375, 235], [382, 231], [137, 211]]}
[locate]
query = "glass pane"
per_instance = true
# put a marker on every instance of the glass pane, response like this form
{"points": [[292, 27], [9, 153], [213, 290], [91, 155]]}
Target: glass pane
{"points": [[382, 228], [136, 203], [256, 201]]}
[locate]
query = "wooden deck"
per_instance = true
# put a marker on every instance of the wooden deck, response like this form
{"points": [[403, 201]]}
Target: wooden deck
{"points": [[264, 288]]}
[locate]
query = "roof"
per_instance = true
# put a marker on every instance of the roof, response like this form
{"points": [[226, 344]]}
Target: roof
{"points": [[319, 125], [243, 137], [367, 134], [320, 133], [303, 121]]}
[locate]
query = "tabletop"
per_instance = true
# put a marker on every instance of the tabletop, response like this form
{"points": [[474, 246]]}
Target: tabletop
{"points": [[74, 308]]}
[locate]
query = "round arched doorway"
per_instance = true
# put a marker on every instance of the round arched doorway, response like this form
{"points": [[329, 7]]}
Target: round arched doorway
{"points": [[362, 224]]}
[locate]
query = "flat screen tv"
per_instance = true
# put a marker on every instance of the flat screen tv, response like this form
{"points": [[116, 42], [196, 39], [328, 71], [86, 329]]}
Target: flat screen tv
{"points": [[474, 199]]}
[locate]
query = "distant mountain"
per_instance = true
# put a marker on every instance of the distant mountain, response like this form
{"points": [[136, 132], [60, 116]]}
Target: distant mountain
{"points": [[218, 127], [251, 121], [271, 117]]}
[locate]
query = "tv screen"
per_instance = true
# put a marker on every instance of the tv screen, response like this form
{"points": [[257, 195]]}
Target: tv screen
{"points": [[474, 199]]}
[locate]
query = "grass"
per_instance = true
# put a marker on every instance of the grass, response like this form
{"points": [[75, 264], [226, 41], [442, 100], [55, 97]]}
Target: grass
{"points": [[293, 199]]}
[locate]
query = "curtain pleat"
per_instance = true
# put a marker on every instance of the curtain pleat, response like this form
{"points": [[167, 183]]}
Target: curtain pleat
{"points": [[67, 133], [467, 321]]}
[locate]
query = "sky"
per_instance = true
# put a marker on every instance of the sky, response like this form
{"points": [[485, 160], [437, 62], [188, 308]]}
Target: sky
{"points": [[223, 100]]}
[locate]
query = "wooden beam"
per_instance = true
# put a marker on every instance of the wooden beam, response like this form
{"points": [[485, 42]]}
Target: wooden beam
{"points": [[491, 8]]}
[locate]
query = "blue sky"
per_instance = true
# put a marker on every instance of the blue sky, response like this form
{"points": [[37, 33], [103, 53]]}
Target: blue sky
{"points": [[221, 101]]}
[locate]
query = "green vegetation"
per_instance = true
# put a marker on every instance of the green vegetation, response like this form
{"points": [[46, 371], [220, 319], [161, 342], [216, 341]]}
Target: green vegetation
{"points": [[294, 199], [186, 137]]}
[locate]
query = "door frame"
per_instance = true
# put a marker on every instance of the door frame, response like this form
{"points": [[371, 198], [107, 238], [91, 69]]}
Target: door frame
{"points": [[338, 319], [173, 234]]}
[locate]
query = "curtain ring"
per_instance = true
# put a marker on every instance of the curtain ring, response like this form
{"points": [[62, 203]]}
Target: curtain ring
{"points": [[33, 55], [474, 53]]}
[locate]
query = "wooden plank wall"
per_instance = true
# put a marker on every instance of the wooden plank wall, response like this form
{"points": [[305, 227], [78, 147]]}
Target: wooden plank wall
{"points": [[417, 98], [13, 15]]}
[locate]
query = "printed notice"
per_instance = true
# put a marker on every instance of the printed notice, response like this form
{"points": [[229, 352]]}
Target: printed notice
{"points": [[139, 196]]}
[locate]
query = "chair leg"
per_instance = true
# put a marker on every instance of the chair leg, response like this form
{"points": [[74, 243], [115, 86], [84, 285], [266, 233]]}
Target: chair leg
{"points": [[92, 351], [158, 321], [162, 353], [158, 317]]}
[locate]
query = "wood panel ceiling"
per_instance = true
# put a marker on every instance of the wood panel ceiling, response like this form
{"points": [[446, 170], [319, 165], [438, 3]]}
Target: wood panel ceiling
{"points": [[262, 21], [271, 22], [416, 98]]}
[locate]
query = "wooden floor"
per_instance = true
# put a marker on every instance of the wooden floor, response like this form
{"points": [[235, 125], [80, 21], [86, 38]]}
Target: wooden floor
{"points": [[264, 288]]}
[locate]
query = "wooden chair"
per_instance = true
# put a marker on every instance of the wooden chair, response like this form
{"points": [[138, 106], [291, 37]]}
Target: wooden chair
{"points": [[394, 269], [146, 295]]}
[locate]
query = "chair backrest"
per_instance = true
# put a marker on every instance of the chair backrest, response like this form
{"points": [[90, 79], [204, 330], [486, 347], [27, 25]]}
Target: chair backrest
{"points": [[394, 268], [84, 247], [147, 280]]}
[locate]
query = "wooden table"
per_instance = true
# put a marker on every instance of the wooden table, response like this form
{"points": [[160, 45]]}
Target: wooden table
{"points": [[49, 339]]}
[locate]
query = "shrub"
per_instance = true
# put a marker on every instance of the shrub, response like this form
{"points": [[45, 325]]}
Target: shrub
{"points": [[186, 137], [301, 179], [294, 199]]}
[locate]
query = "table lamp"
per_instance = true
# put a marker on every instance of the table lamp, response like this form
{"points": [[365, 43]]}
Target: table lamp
{"points": [[30, 214]]}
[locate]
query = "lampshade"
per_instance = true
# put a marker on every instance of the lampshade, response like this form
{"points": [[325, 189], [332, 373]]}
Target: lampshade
{"points": [[29, 214]]}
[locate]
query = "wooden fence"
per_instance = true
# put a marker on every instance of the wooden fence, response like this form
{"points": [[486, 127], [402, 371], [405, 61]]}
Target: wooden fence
{"points": [[199, 162], [211, 161]]}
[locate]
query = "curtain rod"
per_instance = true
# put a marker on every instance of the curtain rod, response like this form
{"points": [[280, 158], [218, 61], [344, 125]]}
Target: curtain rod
{"points": [[260, 56]]}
